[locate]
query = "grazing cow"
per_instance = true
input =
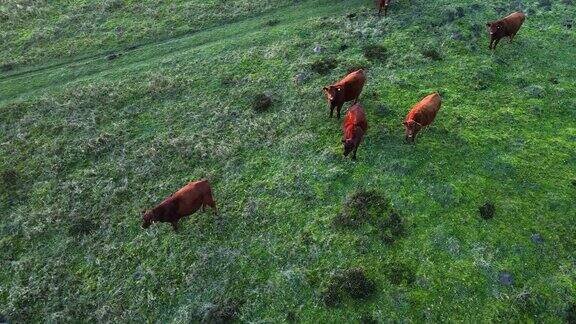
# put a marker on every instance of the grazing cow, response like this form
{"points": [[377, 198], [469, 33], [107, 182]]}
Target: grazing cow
{"points": [[383, 4], [421, 115], [184, 202], [506, 27], [345, 90], [354, 128]]}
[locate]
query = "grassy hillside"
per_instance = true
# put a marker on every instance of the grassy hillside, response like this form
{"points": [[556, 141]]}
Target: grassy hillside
{"points": [[303, 234]]}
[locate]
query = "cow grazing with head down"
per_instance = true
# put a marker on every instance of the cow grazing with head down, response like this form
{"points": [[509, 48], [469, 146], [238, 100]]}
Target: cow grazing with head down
{"points": [[345, 90], [354, 129], [383, 4], [505, 27], [184, 202], [421, 115]]}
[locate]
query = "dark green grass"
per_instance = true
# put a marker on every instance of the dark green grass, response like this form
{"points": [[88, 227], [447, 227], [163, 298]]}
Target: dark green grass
{"points": [[86, 146]]}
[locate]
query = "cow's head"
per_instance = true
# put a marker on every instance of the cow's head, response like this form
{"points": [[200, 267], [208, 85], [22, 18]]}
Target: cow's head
{"points": [[147, 218], [411, 128], [496, 29], [332, 93], [348, 146]]}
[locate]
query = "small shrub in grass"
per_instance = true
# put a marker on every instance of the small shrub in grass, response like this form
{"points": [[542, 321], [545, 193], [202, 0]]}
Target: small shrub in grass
{"points": [[487, 210], [400, 274], [360, 207], [450, 14], [272, 22], [527, 301], [391, 228], [226, 311], [9, 179], [81, 227], [262, 103], [535, 91], [432, 54], [368, 319], [571, 314], [351, 283], [291, 317], [375, 52], [373, 208], [7, 67], [324, 65]]}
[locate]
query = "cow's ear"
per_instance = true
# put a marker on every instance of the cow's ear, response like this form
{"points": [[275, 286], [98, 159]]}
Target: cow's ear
{"points": [[343, 141], [488, 24], [405, 123], [143, 211], [325, 89]]}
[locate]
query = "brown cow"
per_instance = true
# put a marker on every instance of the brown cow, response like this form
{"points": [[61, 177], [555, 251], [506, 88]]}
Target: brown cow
{"points": [[383, 4], [345, 90], [421, 115], [354, 128], [506, 27], [184, 202]]}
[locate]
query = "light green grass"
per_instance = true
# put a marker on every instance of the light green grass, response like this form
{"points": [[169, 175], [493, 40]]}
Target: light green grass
{"points": [[83, 138]]}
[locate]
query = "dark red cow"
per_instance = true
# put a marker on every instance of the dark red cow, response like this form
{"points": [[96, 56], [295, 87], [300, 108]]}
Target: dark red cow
{"points": [[184, 202], [505, 27], [383, 4], [354, 128], [421, 115], [345, 90]]}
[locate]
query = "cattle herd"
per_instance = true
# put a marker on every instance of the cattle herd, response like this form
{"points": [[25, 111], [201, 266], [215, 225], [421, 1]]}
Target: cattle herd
{"points": [[198, 194]]}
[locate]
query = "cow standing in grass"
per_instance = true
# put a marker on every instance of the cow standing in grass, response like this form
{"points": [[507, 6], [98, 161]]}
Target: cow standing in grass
{"points": [[354, 129], [184, 202], [383, 4], [345, 90], [421, 115], [506, 27]]}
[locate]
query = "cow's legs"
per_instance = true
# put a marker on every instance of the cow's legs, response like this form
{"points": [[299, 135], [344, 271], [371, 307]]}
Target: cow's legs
{"points": [[354, 154], [331, 111], [495, 43], [338, 109]]}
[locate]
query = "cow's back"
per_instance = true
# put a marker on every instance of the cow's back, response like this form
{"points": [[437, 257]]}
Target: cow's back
{"points": [[352, 84], [356, 115], [190, 197], [513, 22], [425, 111]]}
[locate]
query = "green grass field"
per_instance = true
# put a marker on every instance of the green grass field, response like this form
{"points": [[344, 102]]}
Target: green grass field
{"points": [[304, 234]]}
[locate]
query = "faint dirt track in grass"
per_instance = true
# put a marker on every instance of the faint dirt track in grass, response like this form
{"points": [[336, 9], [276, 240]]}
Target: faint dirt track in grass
{"points": [[62, 73]]}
